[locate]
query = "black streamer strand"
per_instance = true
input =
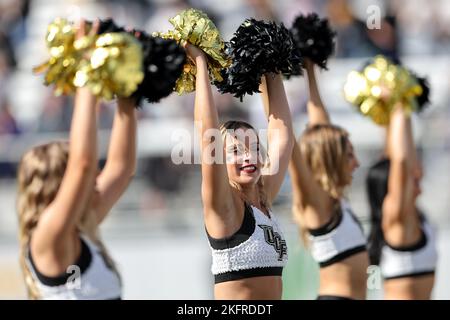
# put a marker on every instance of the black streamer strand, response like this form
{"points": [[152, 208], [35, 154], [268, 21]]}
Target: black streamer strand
{"points": [[423, 99]]}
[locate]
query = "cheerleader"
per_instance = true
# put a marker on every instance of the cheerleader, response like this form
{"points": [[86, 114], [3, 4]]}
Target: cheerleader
{"points": [[321, 168], [401, 240], [248, 247], [62, 200]]}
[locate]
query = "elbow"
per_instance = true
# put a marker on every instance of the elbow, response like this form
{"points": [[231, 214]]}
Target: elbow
{"points": [[125, 173], [130, 171], [122, 167], [130, 174], [127, 178]]}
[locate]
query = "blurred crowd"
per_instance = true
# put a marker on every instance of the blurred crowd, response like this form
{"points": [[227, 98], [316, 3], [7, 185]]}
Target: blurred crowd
{"points": [[27, 107], [405, 30]]}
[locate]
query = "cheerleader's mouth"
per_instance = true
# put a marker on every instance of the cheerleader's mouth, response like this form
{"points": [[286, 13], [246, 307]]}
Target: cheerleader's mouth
{"points": [[249, 168]]}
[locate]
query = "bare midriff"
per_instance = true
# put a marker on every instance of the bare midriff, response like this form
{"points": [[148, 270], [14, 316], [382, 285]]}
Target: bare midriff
{"points": [[255, 288], [346, 278]]}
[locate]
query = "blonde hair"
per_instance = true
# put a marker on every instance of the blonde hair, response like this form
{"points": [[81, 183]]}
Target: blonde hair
{"points": [[324, 148], [39, 177], [237, 124]]}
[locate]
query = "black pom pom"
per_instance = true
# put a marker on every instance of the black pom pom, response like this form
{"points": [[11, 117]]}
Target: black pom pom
{"points": [[313, 38], [424, 99], [109, 25], [163, 64], [258, 47]]}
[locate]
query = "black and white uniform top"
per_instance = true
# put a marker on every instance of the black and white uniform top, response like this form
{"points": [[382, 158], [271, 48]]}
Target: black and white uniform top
{"points": [[411, 261], [258, 248], [338, 239], [90, 278]]}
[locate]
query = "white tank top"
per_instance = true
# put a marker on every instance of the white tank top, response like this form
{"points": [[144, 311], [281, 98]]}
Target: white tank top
{"points": [[334, 242], [258, 248], [416, 260], [97, 281]]}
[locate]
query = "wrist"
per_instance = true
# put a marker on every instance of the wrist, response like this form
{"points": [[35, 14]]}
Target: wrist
{"points": [[86, 94], [309, 65], [126, 104], [200, 59], [271, 76]]}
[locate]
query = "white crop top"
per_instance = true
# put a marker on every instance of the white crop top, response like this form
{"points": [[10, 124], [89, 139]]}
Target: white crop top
{"points": [[415, 260], [336, 241], [90, 278], [258, 248]]}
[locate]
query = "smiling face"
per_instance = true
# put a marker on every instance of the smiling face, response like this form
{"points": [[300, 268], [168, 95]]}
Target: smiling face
{"points": [[241, 150], [241, 146]]}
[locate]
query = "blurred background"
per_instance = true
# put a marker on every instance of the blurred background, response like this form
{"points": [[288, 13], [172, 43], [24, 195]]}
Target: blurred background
{"points": [[156, 232]]}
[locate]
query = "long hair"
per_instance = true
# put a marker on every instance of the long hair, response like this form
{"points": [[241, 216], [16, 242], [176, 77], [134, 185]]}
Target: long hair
{"points": [[324, 148], [377, 189], [234, 125], [39, 177]]}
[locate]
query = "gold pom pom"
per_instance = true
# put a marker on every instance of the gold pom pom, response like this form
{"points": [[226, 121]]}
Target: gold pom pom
{"points": [[64, 58], [376, 89], [195, 27], [115, 67], [110, 64]]}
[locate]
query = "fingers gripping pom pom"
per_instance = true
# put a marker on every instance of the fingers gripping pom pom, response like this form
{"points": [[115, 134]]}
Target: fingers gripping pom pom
{"points": [[195, 27]]}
